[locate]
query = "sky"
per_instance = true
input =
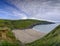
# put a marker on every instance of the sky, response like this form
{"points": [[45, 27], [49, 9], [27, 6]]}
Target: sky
{"points": [[30, 9]]}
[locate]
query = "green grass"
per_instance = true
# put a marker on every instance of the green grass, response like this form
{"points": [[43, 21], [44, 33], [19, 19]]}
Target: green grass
{"points": [[7, 43], [51, 39]]}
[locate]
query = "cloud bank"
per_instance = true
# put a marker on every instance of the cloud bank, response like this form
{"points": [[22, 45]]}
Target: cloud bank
{"points": [[39, 9]]}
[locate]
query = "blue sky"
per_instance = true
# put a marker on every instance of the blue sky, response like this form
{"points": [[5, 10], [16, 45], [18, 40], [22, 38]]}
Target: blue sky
{"points": [[9, 11], [34, 9]]}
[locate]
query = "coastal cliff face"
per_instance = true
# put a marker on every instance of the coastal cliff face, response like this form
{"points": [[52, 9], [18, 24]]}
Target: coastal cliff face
{"points": [[7, 38]]}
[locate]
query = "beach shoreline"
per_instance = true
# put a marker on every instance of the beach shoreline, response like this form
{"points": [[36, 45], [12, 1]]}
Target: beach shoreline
{"points": [[27, 35]]}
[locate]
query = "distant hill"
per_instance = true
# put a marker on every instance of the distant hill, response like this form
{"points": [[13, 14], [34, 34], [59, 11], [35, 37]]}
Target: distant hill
{"points": [[51, 39], [21, 24]]}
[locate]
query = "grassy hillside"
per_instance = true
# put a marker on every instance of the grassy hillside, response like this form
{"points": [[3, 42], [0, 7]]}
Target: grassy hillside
{"points": [[7, 38], [21, 24], [51, 39]]}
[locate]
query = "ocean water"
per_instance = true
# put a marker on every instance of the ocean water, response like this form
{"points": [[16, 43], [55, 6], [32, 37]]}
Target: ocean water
{"points": [[45, 28]]}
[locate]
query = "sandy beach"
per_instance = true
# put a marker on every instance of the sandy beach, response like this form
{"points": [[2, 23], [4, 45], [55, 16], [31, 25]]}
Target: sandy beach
{"points": [[27, 35]]}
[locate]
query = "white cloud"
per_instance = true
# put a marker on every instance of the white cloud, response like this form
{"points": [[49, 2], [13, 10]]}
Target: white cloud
{"points": [[40, 9], [19, 15]]}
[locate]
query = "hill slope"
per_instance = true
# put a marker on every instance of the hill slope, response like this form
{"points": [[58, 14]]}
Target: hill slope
{"points": [[22, 24], [51, 39], [7, 38]]}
